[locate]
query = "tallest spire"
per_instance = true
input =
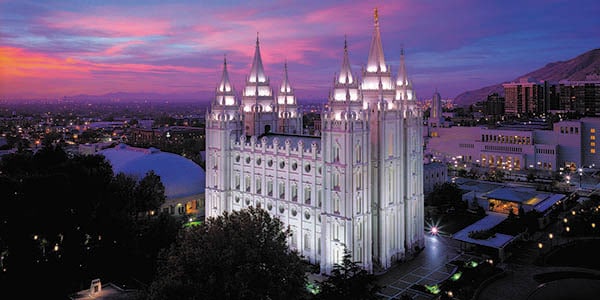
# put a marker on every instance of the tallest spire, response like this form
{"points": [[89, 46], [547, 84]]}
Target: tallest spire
{"points": [[376, 62], [257, 72]]}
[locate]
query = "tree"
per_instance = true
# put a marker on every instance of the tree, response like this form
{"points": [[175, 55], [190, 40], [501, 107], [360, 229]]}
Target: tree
{"points": [[446, 193], [238, 255], [348, 280], [149, 193]]}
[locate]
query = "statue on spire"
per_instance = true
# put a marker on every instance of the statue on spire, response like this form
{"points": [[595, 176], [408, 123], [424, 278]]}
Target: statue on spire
{"points": [[376, 16]]}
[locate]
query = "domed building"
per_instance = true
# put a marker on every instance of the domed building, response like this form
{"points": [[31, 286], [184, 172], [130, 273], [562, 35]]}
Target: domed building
{"points": [[183, 179]]}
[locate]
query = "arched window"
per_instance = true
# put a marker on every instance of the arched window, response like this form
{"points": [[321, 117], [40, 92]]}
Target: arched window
{"points": [[336, 204], [336, 153], [306, 241]]}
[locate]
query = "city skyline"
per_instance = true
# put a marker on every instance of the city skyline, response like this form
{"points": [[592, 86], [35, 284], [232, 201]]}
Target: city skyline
{"points": [[65, 48]]}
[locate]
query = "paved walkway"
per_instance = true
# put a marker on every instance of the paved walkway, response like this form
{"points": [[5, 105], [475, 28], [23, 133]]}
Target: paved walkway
{"points": [[431, 266]]}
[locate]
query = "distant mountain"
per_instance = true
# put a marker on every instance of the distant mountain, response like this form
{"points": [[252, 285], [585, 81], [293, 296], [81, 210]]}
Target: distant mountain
{"points": [[152, 97], [574, 69]]}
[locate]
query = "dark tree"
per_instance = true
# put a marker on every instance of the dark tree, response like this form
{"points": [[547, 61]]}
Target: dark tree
{"points": [[68, 220], [149, 193], [349, 280], [238, 255], [447, 193]]}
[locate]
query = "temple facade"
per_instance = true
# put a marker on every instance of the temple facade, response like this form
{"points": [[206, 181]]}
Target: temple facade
{"points": [[356, 185]]}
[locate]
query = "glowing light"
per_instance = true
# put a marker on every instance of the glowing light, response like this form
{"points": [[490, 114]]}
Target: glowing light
{"points": [[434, 230]]}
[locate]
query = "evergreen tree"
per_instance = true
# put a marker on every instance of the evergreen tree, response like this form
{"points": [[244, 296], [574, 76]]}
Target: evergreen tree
{"points": [[238, 255], [347, 281]]}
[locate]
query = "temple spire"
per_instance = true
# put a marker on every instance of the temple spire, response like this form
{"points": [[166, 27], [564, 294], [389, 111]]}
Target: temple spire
{"points": [[257, 72], [376, 61], [286, 87], [225, 93], [346, 72], [402, 74], [225, 84]]}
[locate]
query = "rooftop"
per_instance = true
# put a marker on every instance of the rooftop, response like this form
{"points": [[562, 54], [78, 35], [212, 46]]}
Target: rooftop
{"points": [[499, 240]]}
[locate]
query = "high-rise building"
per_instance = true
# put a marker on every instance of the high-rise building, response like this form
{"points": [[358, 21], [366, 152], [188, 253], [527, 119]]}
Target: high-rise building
{"points": [[494, 106], [580, 96], [358, 185], [435, 116], [521, 97]]}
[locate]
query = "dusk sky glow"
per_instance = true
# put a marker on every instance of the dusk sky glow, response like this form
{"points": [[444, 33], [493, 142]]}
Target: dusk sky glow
{"points": [[64, 48]]}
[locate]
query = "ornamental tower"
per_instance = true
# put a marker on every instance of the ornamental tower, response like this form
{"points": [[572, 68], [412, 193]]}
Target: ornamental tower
{"points": [[223, 124], [387, 158], [345, 138], [260, 115], [290, 119], [413, 155]]}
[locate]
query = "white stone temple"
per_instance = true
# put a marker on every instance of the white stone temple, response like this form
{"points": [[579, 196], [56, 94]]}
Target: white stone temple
{"points": [[357, 184]]}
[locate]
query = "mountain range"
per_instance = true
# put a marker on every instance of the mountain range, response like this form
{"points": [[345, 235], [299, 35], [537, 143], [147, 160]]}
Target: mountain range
{"points": [[573, 69]]}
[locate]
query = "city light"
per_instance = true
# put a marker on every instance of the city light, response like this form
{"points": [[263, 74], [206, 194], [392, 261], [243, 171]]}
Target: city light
{"points": [[434, 230]]}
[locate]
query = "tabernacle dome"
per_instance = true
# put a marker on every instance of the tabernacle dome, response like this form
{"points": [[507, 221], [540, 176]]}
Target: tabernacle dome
{"points": [[184, 180]]}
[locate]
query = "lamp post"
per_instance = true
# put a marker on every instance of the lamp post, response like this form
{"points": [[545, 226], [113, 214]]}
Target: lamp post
{"points": [[550, 237], [580, 173]]}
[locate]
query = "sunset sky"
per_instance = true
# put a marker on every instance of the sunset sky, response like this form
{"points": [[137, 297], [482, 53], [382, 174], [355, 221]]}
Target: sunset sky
{"points": [[64, 48]]}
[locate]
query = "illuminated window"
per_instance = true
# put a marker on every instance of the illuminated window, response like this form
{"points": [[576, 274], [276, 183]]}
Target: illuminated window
{"points": [[593, 130], [592, 151], [593, 144], [593, 137]]}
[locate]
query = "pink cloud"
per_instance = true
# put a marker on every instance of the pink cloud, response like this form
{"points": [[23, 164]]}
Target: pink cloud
{"points": [[29, 72], [113, 25]]}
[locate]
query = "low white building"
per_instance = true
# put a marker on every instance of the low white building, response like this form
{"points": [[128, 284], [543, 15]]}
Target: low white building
{"points": [[183, 179], [569, 145]]}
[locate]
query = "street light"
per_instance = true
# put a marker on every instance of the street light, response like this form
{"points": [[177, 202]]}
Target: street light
{"points": [[580, 173]]}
